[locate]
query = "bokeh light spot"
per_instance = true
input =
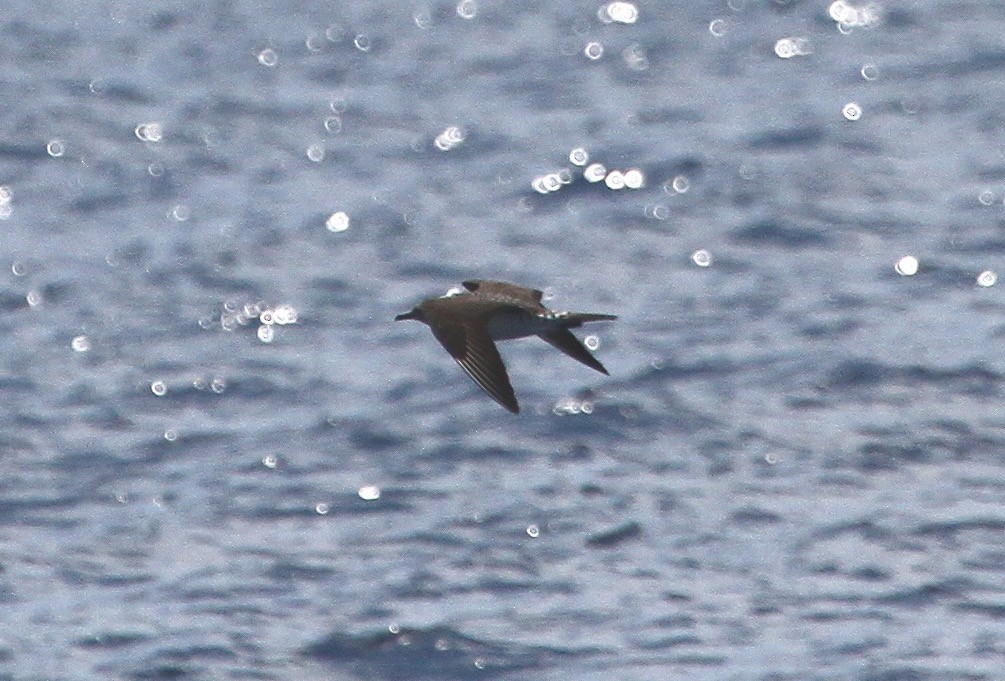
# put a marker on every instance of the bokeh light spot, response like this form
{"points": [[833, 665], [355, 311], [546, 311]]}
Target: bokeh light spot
{"points": [[907, 266], [316, 153], [618, 12], [337, 222], [615, 180], [149, 132], [701, 258], [369, 492], [362, 43], [452, 137], [595, 172], [634, 178], [268, 57], [333, 124]]}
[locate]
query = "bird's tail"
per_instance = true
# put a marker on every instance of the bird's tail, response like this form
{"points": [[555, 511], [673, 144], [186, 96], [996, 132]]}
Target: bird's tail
{"points": [[577, 319]]}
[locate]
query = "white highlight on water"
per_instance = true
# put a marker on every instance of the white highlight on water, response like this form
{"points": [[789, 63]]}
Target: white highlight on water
{"points": [[595, 172], [268, 57], [660, 211], [571, 405], [333, 124], [337, 222], [423, 18], [987, 278], [907, 266], [362, 43], [618, 12], [313, 43], [149, 132], [286, 314], [701, 258], [338, 105], [6, 210], [634, 178], [316, 153], [615, 180], [679, 184], [849, 16], [449, 138], [852, 111], [635, 57], [786, 48]]}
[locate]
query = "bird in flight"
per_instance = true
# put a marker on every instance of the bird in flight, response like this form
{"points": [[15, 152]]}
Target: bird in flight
{"points": [[467, 323]]}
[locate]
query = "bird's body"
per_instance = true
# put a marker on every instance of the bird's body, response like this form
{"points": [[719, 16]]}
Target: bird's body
{"points": [[468, 323]]}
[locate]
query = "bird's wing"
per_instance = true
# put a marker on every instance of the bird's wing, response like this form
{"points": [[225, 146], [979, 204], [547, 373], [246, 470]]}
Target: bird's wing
{"points": [[531, 296], [564, 340], [473, 349]]}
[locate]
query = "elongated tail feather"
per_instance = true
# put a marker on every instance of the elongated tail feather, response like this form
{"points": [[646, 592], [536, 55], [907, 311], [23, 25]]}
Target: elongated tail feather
{"points": [[576, 319], [564, 340]]}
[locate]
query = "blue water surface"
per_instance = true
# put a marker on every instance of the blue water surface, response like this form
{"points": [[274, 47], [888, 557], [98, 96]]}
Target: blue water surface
{"points": [[796, 470]]}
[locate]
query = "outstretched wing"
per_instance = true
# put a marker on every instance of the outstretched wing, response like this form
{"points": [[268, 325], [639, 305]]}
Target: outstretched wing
{"points": [[530, 296], [473, 349]]}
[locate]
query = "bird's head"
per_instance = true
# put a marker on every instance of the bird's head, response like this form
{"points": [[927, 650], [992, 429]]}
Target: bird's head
{"points": [[415, 313]]}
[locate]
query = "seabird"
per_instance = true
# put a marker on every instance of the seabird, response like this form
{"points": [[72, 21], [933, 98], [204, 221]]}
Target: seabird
{"points": [[468, 322]]}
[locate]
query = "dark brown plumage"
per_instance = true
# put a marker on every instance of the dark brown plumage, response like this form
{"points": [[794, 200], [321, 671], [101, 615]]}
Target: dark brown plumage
{"points": [[468, 323]]}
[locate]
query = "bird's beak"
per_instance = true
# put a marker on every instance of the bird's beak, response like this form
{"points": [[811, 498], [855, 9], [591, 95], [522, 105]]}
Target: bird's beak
{"points": [[405, 315]]}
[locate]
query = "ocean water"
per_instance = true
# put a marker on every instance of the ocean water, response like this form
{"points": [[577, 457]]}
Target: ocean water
{"points": [[796, 469]]}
